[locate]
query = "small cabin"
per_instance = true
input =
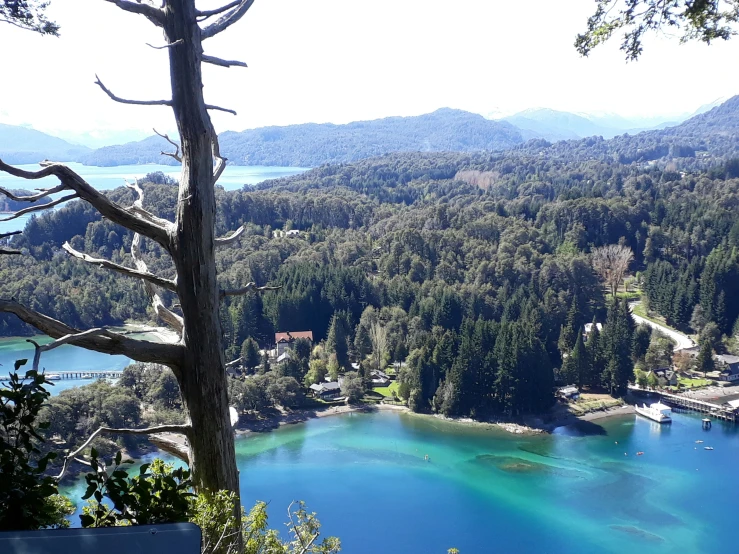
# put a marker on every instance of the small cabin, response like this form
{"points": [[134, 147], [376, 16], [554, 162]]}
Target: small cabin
{"points": [[570, 392], [379, 378], [326, 390]]}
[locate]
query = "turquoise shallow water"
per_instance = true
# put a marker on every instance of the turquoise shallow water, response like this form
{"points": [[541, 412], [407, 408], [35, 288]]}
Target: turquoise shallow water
{"points": [[488, 491], [62, 359]]}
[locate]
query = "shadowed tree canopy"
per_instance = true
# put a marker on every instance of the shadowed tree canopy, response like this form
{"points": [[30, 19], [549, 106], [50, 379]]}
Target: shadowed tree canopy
{"points": [[28, 14], [704, 20]]}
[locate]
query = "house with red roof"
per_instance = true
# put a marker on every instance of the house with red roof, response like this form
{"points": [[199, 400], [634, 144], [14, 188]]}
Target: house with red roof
{"points": [[285, 340]]}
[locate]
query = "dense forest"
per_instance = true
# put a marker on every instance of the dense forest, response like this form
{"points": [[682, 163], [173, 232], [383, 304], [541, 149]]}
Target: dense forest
{"points": [[457, 253]]}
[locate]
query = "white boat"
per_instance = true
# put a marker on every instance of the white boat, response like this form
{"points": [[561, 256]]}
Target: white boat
{"points": [[53, 376], [656, 412]]}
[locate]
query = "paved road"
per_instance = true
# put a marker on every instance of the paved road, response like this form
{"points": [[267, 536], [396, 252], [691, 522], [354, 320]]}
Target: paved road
{"points": [[682, 341]]}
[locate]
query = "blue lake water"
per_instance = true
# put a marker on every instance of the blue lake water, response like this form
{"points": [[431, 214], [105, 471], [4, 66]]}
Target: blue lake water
{"points": [[104, 178], [63, 359], [488, 491]]}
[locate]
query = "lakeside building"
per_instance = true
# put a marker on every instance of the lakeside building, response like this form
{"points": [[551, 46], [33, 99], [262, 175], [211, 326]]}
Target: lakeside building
{"points": [[570, 392], [728, 367], [666, 377], [326, 390], [379, 378], [284, 341]]}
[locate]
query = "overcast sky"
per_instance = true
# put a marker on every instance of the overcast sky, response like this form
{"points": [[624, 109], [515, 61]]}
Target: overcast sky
{"points": [[346, 60]]}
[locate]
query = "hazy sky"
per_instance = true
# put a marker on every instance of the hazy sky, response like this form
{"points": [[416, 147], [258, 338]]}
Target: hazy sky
{"points": [[345, 60]]}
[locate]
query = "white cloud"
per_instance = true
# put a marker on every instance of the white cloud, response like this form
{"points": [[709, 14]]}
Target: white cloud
{"points": [[339, 60]]}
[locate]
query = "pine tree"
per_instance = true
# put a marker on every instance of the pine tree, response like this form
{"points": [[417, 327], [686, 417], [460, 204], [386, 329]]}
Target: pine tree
{"points": [[595, 357], [580, 361], [568, 331], [337, 341], [250, 354], [704, 362]]}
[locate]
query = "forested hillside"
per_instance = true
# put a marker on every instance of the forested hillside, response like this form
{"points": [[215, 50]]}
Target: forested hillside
{"points": [[456, 253], [313, 144], [692, 144]]}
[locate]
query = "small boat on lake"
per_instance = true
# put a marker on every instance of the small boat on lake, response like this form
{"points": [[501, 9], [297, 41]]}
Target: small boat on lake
{"points": [[53, 377], [656, 412], [698, 442], [708, 447]]}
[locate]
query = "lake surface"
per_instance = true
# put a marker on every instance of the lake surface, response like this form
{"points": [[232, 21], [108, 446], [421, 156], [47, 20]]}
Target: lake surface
{"points": [[59, 360], [105, 178], [488, 491]]}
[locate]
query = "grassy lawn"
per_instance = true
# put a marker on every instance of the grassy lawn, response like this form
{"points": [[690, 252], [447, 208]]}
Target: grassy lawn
{"points": [[389, 390], [631, 295], [593, 402], [689, 383]]}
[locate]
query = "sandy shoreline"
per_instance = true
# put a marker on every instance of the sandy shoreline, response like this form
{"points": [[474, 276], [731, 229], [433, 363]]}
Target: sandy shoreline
{"points": [[247, 426], [161, 334]]}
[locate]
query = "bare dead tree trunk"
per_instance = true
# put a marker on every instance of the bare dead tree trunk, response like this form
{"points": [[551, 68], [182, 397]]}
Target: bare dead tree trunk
{"points": [[202, 377], [196, 359]]}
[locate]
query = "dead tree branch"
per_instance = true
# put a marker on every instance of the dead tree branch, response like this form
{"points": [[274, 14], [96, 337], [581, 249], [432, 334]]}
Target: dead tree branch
{"points": [[12, 233], [107, 342], [179, 429], [220, 109], [204, 14], [227, 19], [66, 339], [43, 194], [168, 284], [221, 62], [40, 207], [165, 46], [9, 252], [155, 15], [171, 446], [164, 313], [154, 228], [176, 154], [228, 240], [112, 96], [220, 161]]}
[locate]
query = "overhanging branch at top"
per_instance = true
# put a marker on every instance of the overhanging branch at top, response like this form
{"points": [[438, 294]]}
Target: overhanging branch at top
{"points": [[152, 13], [227, 19]]}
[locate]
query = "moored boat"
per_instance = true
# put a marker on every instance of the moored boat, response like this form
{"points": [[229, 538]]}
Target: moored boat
{"points": [[656, 412]]}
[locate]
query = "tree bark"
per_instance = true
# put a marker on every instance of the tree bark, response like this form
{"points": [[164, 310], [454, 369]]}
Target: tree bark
{"points": [[202, 376]]}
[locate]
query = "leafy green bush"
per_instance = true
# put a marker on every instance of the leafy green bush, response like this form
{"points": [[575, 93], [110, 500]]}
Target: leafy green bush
{"points": [[28, 498]]}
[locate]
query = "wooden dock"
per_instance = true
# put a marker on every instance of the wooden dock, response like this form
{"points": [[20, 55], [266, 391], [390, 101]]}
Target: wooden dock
{"points": [[60, 375], [718, 411]]}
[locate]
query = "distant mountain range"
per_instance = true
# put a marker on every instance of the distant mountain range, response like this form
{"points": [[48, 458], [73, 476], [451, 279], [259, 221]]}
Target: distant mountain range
{"points": [[21, 145], [555, 125], [314, 144], [714, 133], [310, 145]]}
